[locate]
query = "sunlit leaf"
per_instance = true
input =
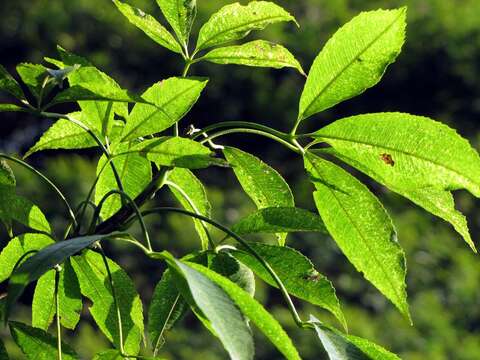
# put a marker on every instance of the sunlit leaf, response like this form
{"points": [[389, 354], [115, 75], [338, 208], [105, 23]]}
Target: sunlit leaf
{"points": [[33, 75], [255, 53], [235, 21], [353, 60], [149, 26], [361, 228], [180, 15], [11, 108]]}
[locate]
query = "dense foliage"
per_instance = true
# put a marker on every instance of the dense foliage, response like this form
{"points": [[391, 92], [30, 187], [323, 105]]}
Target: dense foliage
{"points": [[414, 156]]}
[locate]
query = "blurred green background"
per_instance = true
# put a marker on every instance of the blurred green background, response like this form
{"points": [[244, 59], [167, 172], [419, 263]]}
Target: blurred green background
{"points": [[436, 75]]}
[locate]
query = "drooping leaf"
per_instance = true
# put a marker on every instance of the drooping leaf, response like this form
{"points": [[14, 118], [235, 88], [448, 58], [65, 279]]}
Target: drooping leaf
{"points": [[166, 308], [279, 219], [361, 228], [37, 344], [151, 27], [347, 347], [353, 60], [177, 152], [33, 75], [94, 284], [235, 21], [44, 260], [226, 265], [255, 53], [172, 97], [190, 192], [180, 15], [11, 108], [297, 274], [135, 173], [17, 247], [63, 134], [423, 168], [261, 183], [70, 302], [9, 84], [265, 322]]}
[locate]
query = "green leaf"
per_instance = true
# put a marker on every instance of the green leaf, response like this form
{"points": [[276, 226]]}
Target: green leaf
{"points": [[190, 192], [9, 84], [94, 284], [226, 265], [279, 219], [361, 228], [347, 347], [265, 322], [70, 302], [63, 134], [3, 351], [44, 260], [117, 355], [166, 308], [353, 60], [415, 156], [261, 183], [151, 27], [177, 152], [173, 98], [33, 75], [135, 173], [11, 108], [180, 15], [255, 53], [37, 344], [17, 247], [235, 21], [297, 274]]}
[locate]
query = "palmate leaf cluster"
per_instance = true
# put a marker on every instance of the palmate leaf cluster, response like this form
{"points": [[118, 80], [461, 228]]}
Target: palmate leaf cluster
{"points": [[142, 152]]}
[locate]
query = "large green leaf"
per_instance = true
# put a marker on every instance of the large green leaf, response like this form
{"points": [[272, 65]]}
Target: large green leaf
{"points": [[149, 26], [70, 302], [190, 192], [279, 219], [166, 308], [235, 21], [265, 322], [135, 173], [361, 228], [17, 247], [63, 134], [46, 259], [417, 157], [261, 183], [37, 344], [255, 53], [172, 97], [297, 274], [353, 60], [33, 75], [94, 284], [177, 152], [180, 15], [9, 84], [347, 347]]}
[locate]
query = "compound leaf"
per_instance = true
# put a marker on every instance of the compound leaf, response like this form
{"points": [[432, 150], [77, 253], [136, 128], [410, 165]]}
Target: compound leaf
{"points": [[235, 21], [259, 53], [173, 98], [149, 26], [361, 228], [353, 60]]}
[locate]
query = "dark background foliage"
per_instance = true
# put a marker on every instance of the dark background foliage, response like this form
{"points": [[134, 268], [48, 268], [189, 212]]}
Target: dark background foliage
{"points": [[436, 75]]}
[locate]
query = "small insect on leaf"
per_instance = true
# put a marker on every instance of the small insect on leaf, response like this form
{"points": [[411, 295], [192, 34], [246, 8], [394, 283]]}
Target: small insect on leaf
{"points": [[312, 276], [387, 159]]}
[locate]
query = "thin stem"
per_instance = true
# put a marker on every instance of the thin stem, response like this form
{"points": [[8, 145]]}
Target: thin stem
{"points": [[295, 127], [262, 261], [115, 300], [57, 315], [188, 63], [243, 124], [192, 205], [47, 180], [251, 131], [96, 215]]}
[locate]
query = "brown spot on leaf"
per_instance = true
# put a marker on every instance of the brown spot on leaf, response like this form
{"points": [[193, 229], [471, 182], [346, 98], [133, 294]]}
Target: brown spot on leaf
{"points": [[387, 159]]}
